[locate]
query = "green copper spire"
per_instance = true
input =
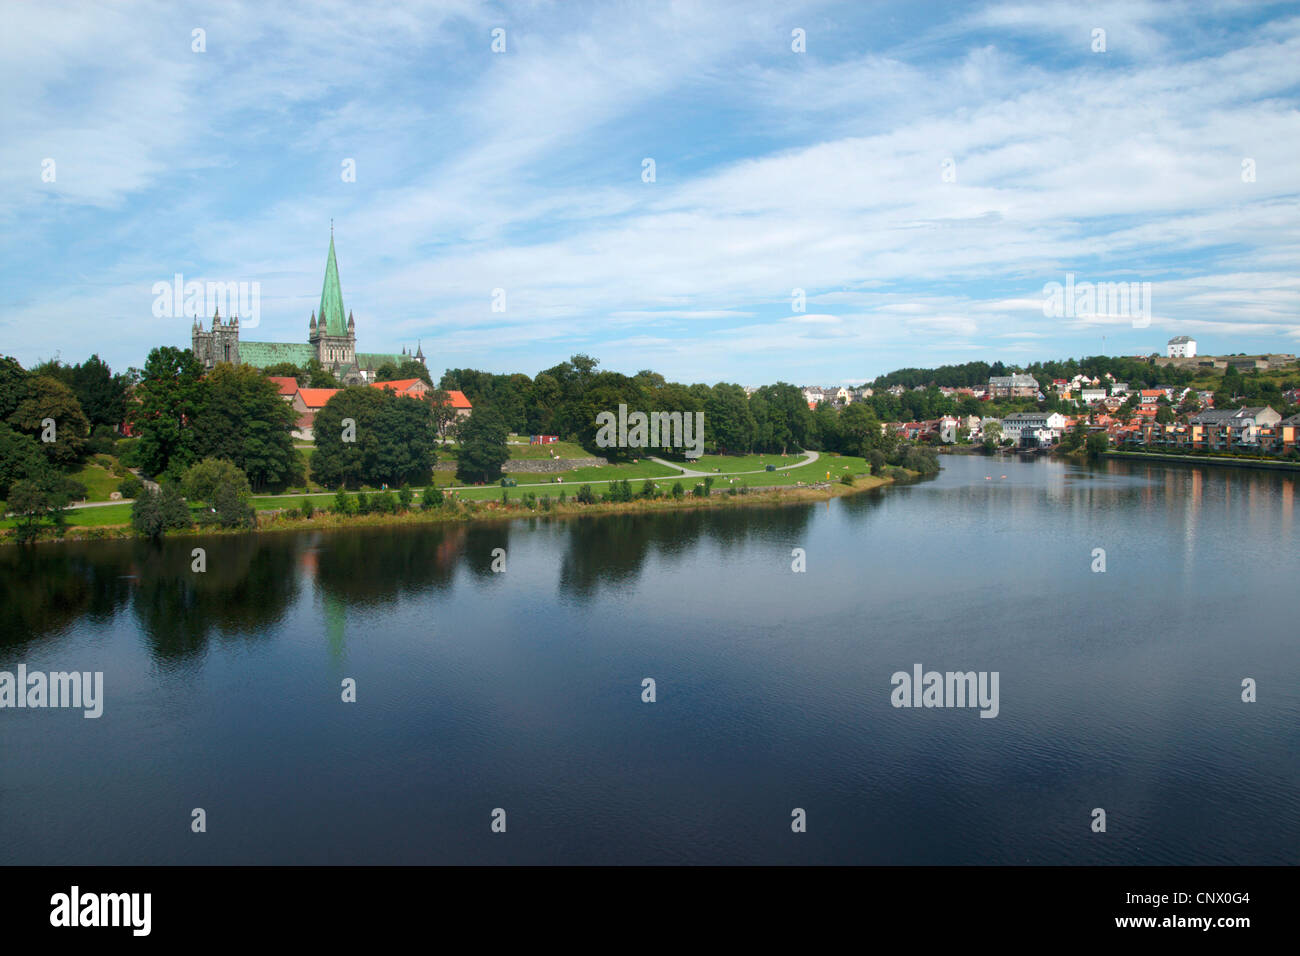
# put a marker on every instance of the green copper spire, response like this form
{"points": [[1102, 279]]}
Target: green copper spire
{"points": [[331, 315]]}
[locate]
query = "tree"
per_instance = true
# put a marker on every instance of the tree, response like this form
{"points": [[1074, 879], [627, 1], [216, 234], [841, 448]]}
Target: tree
{"points": [[390, 440], [205, 479], [232, 509], [286, 370], [169, 394], [859, 429], [585, 495], [47, 495], [728, 421], [441, 411], [1098, 442], [20, 458], [13, 386], [155, 513], [410, 368], [101, 393], [318, 376], [244, 420], [482, 446], [992, 435], [51, 413]]}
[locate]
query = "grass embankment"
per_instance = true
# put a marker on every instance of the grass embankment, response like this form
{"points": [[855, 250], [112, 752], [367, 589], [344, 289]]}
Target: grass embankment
{"points": [[763, 486]]}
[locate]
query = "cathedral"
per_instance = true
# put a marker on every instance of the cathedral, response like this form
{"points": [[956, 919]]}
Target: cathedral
{"points": [[331, 340]]}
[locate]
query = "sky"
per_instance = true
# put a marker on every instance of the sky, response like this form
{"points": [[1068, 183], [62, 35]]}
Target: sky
{"points": [[922, 172]]}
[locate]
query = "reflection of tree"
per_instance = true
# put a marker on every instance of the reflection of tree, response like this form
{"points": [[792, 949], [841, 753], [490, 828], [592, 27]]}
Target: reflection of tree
{"points": [[858, 507], [611, 549], [378, 564], [46, 589], [247, 587]]}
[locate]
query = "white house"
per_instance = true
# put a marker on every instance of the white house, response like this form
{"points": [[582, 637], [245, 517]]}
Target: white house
{"points": [[1182, 346], [1091, 396], [1033, 428]]}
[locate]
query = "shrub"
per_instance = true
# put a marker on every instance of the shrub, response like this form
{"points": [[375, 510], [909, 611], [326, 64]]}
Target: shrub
{"points": [[585, 495], [432, 498], [128, 452], [363, 503], [404, 496], [102, 441], [564, 496], [846, 479], [648, 489], [343, 503], [307, 509], [384, 503], [130, 486], [678, 491], [233, 511]]}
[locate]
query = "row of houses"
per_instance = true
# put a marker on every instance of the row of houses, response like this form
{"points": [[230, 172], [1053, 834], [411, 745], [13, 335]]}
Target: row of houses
{"points": [[306, 402], [1258, 430]]}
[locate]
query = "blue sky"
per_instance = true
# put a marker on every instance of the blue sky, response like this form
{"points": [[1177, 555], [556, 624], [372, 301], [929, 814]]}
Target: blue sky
{"points": [[775, 170]]}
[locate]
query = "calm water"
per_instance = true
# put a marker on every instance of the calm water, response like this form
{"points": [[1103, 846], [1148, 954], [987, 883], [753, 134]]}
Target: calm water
{"points": [[522, 690]]}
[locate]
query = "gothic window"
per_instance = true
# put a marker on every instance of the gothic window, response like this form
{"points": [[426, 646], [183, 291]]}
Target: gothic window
{"points": [[227, 353]]}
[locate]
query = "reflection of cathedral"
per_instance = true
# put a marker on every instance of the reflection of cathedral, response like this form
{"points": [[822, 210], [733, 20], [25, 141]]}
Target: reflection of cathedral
{"points": [[331, 340]]}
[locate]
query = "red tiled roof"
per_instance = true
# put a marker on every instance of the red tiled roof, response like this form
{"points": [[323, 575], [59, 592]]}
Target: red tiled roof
{"points": [[397, 385], [458, 400], [287, 384], [317, 397]]}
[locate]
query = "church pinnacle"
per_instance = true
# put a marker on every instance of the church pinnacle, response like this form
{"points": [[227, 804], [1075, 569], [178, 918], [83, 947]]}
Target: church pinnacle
{"points": [[332, 316]]}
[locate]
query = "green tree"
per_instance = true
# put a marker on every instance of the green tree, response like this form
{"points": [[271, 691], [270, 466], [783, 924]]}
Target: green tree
{"points": [[318, 376], [50, 410], [20, 458], [859, 430], [482, 447], [33, 500], [1098, 442], [389, 440], [204, 480], [169, 396], [244, 420]]}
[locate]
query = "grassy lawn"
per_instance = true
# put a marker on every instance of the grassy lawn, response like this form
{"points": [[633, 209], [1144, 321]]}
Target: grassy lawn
{"points": [[99, 481], [726, 463], [845, 464], [561, 449]]}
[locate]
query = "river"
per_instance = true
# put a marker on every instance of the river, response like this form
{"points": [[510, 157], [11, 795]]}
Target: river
{"points": [[522, 689]]}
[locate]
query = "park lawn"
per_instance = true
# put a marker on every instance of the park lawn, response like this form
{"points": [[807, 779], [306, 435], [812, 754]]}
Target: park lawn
{"points": [[99, 481], [734, 463], [561, 449], [631, 470], [808, 474]]}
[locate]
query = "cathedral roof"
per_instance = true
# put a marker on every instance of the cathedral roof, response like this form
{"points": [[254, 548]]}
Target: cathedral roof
{"points": [[331, 313]]}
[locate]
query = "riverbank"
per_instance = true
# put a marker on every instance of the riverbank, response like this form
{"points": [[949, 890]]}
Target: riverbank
{"points": [[463, 510], [1263, 463]]}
